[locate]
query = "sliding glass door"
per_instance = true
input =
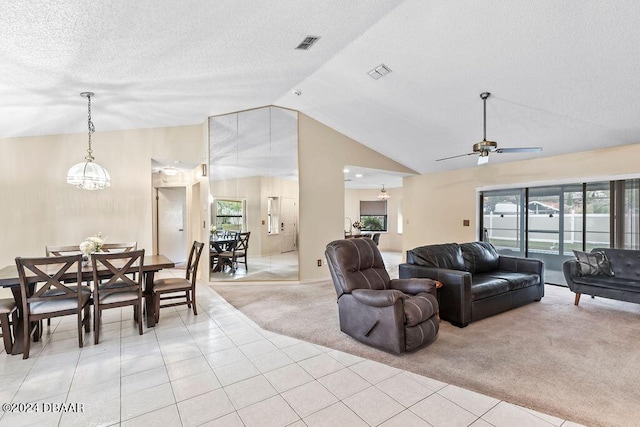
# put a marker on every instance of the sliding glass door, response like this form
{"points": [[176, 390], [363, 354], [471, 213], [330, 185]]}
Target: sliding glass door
{"points": [[549, 223]]}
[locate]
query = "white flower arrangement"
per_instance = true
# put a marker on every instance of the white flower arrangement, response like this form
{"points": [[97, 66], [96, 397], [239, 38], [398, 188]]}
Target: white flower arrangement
{"points": [[358, 225], [92, 244], [212, 228]]}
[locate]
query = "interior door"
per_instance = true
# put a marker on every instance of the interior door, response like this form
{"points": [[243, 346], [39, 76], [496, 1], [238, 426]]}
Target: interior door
{"points": [[287, 224], [172, 237]]}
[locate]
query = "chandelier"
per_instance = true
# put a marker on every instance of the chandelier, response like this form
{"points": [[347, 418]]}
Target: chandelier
{"points": [[383, 195], [89, 175]]}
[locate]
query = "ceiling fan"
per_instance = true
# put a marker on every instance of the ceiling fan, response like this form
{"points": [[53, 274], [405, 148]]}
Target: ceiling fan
{"points": [[484, 147]]}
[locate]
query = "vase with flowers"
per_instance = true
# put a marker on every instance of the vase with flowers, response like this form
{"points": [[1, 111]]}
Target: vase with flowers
{"points": [[90, 245], [357, 227]]}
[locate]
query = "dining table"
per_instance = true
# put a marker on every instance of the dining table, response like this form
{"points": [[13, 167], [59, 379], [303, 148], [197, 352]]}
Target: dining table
{"points": [[9, 278], [217, 245]]}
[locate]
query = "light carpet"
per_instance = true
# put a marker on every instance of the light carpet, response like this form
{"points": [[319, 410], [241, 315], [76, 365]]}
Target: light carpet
{"points": [[577, 363]]}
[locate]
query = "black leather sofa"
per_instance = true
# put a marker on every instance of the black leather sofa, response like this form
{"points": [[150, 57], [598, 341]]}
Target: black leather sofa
{"points": [[477, 281], [624, 285]]}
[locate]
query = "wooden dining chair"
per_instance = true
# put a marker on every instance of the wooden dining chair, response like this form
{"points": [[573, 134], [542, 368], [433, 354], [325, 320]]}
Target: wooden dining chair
{"points": [[237, 251], [46, 296], [62, 250], [123, 288], [119, 247], [177, 287], [7, 309]]}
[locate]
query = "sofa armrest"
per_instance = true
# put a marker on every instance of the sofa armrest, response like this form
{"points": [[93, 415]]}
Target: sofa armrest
{"points": [[414, 286], [454, 297], [377, 298], [570, 270]]}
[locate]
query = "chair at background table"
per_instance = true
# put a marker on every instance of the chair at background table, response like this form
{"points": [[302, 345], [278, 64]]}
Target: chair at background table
{"points": [[120, 290], [49, 297], [62, 250], [7, 308], [119, 247], [376, 238], [171, 286], [239, 250]]}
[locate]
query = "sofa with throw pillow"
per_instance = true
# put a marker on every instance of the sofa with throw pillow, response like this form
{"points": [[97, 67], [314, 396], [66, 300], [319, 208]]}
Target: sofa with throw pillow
{"points": [[607, 273], [477, 281]]}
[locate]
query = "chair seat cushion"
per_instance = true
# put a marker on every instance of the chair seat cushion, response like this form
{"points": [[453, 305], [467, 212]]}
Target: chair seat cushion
{"points": [[172, 283], [62, 304], [419, 308], [609, 282], [115, 285], [516, 280], [7, 305], [116, 297], [55, 291]]}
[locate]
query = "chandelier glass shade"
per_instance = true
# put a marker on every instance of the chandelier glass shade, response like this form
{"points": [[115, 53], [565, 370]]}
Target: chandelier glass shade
{"points": [[383, 195], [89, 175]]}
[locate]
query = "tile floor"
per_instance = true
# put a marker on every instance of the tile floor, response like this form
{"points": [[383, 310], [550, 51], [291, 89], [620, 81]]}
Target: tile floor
{"points": [[221, 369]]}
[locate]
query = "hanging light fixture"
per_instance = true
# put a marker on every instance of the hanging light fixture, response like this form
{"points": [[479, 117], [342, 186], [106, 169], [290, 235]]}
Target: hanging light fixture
{"points": [[89, 175], [383, 195]]}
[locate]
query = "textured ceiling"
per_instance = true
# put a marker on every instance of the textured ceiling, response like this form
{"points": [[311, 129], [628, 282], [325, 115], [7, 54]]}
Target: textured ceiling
{"points": [[563, 75]]}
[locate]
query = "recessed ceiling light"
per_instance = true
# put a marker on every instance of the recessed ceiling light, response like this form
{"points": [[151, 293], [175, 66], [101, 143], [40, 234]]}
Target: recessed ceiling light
{"points": [[358, 175], [170, 171], [345, 170], [307, 42], [380, 71]]}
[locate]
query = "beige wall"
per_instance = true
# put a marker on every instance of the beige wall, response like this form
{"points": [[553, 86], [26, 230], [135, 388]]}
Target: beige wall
{"points": [[322, 155], [391, 240], [38, 208], [435, 205]]}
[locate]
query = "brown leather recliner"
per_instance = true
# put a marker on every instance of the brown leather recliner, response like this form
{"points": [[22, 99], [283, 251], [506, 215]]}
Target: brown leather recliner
{"points": [[394, 315]]}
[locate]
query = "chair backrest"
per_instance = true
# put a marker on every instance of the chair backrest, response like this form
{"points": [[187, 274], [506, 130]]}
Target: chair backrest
{"points": [[117, 266], [376, 238], [356, 264], [119, 247], [242, 243], [47, 273], [194, 260], [62, 250]]}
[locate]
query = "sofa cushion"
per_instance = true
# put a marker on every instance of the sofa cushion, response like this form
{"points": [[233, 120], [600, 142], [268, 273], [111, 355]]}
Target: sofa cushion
{"points": [[485, 286], [446, 255], [609, 282], [516, 280], [625, 263], [593, 264], [479, 257]]}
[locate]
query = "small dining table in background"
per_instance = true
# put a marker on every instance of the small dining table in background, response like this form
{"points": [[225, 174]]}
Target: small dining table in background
{"points": [[152, 263], [219, 244]]}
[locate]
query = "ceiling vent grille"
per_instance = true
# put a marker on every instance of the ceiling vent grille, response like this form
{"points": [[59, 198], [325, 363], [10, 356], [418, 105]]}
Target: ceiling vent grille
{"points": [[308, 42], [380, 71]]}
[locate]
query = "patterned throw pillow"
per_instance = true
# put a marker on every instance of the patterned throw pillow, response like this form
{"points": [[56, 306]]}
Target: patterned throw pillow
{"points": [[593, 264]]}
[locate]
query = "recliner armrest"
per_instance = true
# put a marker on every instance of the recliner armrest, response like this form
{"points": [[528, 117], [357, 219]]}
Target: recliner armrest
{"points": [[414, 285], [377, 298]]}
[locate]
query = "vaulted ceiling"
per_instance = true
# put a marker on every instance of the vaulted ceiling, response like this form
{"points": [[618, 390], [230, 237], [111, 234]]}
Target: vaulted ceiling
{"points": [[563, 75]]}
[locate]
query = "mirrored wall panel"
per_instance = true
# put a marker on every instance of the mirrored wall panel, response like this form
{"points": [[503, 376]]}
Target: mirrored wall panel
{"points": [[253, 199]]}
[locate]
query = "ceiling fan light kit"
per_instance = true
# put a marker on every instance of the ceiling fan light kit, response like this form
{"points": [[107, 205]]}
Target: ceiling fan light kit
{"points": [[484, 147]]}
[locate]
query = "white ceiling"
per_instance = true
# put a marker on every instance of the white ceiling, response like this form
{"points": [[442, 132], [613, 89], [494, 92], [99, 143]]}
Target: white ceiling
{"points": [[563, 74]]}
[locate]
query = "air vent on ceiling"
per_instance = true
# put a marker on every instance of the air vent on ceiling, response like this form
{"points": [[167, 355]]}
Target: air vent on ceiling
{"points": [[380, 71], [308, 42]]}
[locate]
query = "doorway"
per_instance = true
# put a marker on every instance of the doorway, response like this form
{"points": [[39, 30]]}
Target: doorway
{"points": [[287, 225], [171, 217]]}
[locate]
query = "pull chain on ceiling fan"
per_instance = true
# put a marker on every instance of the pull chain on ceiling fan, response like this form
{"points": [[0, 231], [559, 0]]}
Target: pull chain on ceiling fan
{"points": [[484, 147]]}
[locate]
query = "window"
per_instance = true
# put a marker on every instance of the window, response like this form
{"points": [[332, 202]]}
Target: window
{"points": [[230, 215], [373, 215]]}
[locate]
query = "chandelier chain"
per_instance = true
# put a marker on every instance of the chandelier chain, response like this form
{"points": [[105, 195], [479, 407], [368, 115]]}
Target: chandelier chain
{"points": [[89, 157]]}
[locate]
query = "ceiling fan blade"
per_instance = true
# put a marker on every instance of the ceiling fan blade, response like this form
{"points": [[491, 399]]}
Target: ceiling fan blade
{"points": [[454, 157], [519, 150]]}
